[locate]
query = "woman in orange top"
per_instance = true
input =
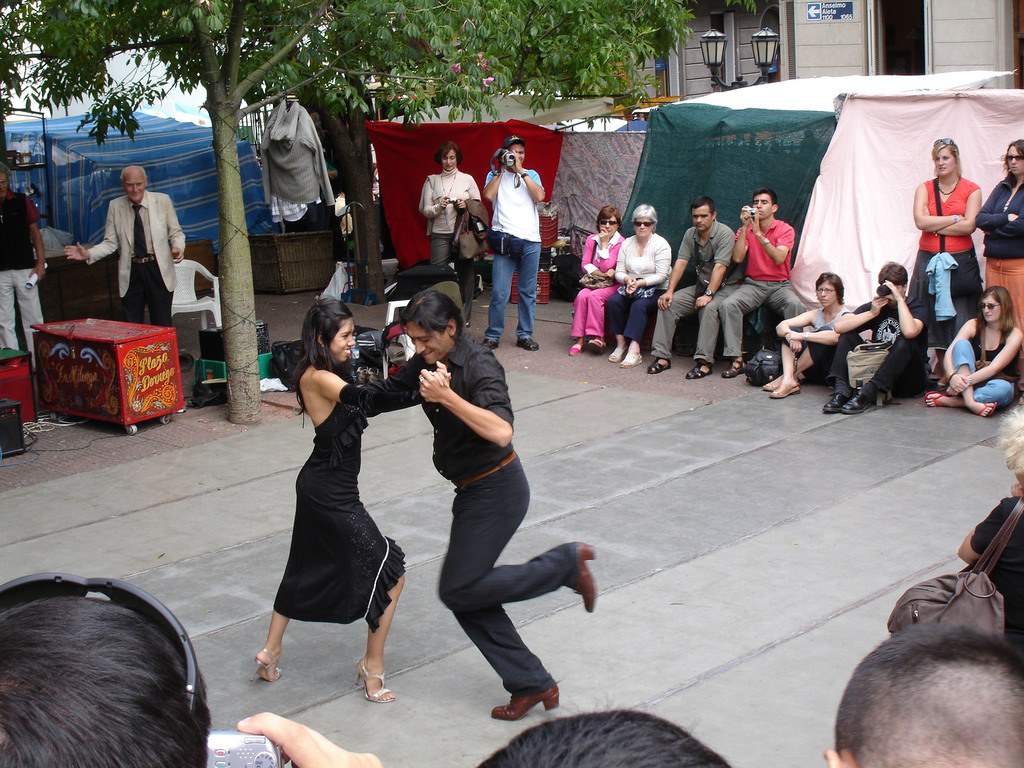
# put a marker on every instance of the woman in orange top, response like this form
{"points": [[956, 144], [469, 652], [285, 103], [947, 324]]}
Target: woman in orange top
{"points": [[947, 233]]}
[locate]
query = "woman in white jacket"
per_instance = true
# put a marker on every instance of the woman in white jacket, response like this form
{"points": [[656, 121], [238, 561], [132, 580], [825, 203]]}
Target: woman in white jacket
{"points": [[444, 195]]}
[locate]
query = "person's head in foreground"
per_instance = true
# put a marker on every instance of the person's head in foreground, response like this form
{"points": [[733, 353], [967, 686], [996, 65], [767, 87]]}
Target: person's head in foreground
{"points": [[933, 696], [613, 739]]}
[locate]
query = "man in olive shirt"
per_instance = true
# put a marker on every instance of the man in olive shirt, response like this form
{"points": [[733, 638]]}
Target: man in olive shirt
{"points": [[708, 243]]}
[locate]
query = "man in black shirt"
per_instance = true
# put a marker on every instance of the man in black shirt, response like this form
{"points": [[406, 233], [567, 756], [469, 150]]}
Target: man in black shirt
{"points": [[891, 318], [466, 399]]}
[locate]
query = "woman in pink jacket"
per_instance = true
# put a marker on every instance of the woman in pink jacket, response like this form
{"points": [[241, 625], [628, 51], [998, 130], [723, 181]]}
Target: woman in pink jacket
{"points": [[600, 254]]}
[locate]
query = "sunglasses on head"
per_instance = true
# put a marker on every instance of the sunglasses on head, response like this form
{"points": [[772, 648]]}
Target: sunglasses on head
{"points": [[945, 142]]}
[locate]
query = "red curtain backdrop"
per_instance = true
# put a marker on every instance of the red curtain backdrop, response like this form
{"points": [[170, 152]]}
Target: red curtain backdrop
{"points": [[405, 157]]}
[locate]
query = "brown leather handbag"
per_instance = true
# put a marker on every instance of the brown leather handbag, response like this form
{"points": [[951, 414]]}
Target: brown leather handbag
{"points": [[968, 597]]}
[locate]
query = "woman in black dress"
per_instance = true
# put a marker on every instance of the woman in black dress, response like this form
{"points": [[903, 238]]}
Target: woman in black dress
{"points": [[340, 567]]}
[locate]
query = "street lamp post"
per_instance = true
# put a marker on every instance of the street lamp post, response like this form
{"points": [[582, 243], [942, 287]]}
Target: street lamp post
{"points": [[765, 45]]}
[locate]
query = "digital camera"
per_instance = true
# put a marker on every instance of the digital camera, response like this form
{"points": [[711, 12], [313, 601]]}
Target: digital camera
{"points": [[751, 211], [884, 290], [233, 749]]}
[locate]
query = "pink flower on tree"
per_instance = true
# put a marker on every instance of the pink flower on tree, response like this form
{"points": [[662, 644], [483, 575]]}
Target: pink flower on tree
{"points": [[488, 81], [456, 68]]}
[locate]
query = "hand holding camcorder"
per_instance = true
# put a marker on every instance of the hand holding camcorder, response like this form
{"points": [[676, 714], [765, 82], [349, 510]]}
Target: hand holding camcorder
{"points": [[232, 749], [884, 290]]}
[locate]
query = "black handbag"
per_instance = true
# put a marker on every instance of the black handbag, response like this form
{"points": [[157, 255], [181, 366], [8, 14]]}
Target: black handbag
{"points": [[283, 357], [965, 280], [764, 366]]}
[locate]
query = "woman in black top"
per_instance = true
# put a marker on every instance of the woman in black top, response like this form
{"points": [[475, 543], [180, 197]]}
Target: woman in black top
{"points": [[1000, 220], [1008, 573], [341, 568]]}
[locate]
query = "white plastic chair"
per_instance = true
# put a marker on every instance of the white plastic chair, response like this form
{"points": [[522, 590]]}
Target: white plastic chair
{"points": [[185, 299], [407, 345]]}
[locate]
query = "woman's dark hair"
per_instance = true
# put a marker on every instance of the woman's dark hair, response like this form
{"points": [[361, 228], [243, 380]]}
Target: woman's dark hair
{"points": [[1007, 315], [609, 212], [445, 148], [835, 281], [432, 310], [318, 329], [1017, 144]]}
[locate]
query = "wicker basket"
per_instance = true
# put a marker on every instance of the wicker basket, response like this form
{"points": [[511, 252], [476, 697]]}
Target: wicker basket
{"points": [[292, 262]]}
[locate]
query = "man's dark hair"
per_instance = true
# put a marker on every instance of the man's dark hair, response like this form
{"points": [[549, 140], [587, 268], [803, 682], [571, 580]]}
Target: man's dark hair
{"points": [[894, 273], [766, 191], [86, 682], [935, 695], [700, 200], [610, 739], [431, 310]]}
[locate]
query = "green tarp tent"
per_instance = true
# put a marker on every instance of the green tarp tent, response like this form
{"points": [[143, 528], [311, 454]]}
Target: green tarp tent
{"points": [[700, 149]]}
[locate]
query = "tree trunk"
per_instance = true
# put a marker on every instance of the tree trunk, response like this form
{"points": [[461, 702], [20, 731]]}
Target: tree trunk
{"points": [[238, 302], [352, 147]]}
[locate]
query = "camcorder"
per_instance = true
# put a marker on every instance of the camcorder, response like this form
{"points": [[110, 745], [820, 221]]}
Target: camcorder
{"points": [[507, 158], [884, 290], [233, 749]]}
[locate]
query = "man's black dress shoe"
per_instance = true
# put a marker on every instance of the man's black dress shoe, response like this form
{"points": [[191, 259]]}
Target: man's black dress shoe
{"points": [[528, 344], [835, 405], [491, 344], [859, 403]]}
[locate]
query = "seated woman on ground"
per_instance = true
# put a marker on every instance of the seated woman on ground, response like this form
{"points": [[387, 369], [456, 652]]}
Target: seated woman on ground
{"points": [[810, 341], [983, 358], [600, 255]]}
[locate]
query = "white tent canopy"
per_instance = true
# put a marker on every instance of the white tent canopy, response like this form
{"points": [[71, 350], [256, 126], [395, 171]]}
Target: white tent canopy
{"points": [[860, 214], [817, 94]]}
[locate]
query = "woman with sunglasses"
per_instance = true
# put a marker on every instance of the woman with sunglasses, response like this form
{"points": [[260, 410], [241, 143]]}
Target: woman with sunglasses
{"points": [[945, 208], [642, 272], [1001, 220], [600, 255], [810, 341], [983, 358]]}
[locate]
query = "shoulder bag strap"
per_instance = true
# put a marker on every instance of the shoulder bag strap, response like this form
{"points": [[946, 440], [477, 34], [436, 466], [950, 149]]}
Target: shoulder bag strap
{"points": [[938, 212], [994, 550]]}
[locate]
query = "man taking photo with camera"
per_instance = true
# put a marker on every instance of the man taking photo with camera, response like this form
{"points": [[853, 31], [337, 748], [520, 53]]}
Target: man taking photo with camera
{"points": [[892, 319], [514, 237]]}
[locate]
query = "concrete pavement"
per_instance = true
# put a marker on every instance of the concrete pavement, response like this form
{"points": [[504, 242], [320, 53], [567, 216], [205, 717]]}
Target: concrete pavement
{"points": [[748, 554]]}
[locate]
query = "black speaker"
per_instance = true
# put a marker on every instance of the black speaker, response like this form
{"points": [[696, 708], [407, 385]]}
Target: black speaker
{"points": [[12, 439]]}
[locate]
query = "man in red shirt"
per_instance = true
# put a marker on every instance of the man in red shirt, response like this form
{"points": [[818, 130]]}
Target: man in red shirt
{"points": [[766, 244], [21, 256]]}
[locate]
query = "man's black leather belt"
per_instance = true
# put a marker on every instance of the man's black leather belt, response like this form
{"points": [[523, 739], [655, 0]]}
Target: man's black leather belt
{"points": [[144, 259], [473, 478]]}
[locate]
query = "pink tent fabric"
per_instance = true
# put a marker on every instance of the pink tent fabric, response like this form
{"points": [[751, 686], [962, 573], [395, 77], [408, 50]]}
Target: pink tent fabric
{"points": [[860, 214]]}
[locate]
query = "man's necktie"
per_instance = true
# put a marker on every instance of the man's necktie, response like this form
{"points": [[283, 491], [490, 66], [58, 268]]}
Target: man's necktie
{"points": [[140, 233]]}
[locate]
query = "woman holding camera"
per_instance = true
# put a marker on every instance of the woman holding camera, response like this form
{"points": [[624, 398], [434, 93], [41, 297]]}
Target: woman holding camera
{"points": [[810, 339], [983, 358], [600, 255], [443, 196], [642, 272], [945, 208], [341, 568]]}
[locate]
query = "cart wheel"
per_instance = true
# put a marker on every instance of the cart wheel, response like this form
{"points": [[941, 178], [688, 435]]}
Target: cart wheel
{"points": [[131, 429], [165, 419]]}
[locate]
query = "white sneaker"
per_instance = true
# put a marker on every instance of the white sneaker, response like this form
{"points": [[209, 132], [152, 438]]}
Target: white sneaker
{"points": [[617, 355]]}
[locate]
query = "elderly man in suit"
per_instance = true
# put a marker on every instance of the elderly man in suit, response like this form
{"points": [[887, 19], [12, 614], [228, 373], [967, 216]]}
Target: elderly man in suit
{"points": [[143, 228]]}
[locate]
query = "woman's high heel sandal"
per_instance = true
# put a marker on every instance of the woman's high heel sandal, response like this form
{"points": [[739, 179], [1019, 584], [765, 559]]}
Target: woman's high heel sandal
{"points": [[266, 670], [362, 676]]}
